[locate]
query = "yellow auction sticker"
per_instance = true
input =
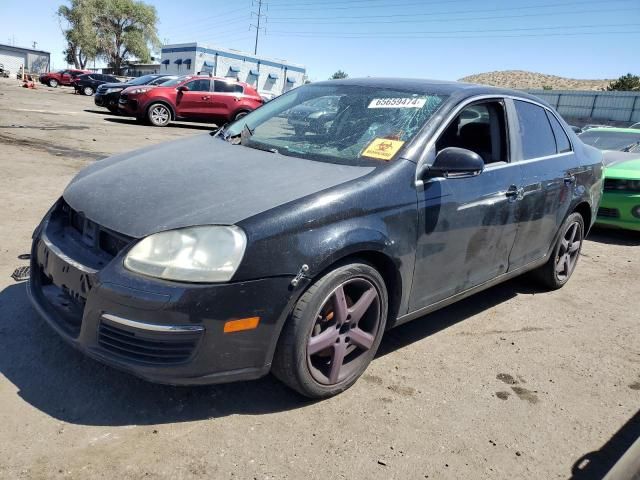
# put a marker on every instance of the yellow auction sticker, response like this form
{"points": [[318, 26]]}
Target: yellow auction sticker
{"points": [[382, 148]]}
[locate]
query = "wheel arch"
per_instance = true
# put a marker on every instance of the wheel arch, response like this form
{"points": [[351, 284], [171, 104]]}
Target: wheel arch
{"points": [[584, 209]]}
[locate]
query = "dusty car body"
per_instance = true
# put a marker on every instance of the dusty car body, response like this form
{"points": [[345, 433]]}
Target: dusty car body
{"points": [[225, 256], [61, 77]]}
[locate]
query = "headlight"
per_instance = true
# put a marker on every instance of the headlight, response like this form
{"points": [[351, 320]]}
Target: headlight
{"points": [[196, 254], [139, 90], [614, 184], [113, 90]]}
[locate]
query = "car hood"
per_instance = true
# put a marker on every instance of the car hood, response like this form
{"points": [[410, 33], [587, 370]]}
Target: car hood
{"points": [[622, 165], [114, 85], [201, 180]]}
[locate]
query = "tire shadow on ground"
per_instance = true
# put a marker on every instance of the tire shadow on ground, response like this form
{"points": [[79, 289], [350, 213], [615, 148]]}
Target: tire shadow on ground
{"points": [[133, 121]]}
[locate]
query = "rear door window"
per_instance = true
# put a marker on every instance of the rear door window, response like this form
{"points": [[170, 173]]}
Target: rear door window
{"points": [[535, 131], [227, 87], [563, 145]]}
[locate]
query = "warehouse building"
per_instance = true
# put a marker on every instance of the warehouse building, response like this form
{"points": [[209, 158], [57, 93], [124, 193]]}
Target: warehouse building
{"points": [[33, 61], [264, 74]]}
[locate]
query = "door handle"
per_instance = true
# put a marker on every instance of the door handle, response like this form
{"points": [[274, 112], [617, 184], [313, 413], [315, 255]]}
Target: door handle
{"points": [[206, 98], [569, 179]]}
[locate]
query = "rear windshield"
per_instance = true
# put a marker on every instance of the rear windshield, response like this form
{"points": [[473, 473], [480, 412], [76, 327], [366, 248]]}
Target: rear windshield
{"points": [[610, 140], [346, 124]]}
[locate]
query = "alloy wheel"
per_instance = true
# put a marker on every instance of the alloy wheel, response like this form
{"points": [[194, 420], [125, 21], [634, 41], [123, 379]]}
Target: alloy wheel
{"points": [[88, 91], [569, 250], [160, 115], [344, 330]]}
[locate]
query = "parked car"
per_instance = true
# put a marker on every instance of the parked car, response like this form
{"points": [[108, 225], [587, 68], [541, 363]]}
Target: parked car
{"points": [[224, 256], [61, 77], [576, 130], [108, 94], [88, 83], [198, 98], [590, 126], [314, 115], [620, 206]]}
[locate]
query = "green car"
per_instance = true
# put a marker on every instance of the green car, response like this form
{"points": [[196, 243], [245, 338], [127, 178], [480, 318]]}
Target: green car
{"points": [[620, 204]]}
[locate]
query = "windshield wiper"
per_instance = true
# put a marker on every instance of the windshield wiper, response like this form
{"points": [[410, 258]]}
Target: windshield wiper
{"points": [[628, 148]]}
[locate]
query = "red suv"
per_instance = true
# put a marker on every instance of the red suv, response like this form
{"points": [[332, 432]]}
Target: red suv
{"points": [[207, 99], [62, 77]]}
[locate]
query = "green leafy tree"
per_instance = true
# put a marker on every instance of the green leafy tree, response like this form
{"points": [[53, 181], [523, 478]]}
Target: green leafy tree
{"points": [[76, 22], [627, 83], [338, 75], [547, 87], [125, 29]]}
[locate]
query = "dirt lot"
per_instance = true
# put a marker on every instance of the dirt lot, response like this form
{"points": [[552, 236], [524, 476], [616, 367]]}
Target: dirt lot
{"points": [[514, 382]]}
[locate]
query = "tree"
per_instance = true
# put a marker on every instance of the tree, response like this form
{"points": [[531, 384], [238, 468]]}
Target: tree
{"points": [[125, 29], [627, 83], [78, 30], [338, 75], [547, 87]]}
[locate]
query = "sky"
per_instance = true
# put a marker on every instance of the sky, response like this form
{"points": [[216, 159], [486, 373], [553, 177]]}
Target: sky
{"points": [[437, 39]]}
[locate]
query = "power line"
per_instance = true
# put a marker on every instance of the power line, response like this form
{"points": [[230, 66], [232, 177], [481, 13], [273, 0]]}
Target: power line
{"points": [[399, 36], [337, 20], [519, 29]]}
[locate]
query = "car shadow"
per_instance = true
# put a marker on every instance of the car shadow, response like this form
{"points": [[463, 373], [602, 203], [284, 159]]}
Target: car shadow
{"points": [[100, 112], [423, 327], [611, 236], [133, 121], [595, 465], [67, 385], [60, 381]]}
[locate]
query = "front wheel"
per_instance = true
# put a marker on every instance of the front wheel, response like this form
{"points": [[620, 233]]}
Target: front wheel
{"points": [[53, 83], [88, 91], [556, 272], [239, 115], [333, 332], [159, 115]]}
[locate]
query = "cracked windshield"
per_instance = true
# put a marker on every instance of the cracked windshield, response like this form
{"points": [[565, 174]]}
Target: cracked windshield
{"points": [[347, 124]]}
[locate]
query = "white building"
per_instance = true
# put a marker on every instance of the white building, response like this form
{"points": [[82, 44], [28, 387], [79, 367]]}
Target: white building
{"points": [[33, 61], [264, 74]]}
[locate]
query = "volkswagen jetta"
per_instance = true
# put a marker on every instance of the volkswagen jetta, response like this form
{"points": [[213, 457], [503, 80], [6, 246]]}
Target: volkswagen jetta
{"points": [[254, 249]]}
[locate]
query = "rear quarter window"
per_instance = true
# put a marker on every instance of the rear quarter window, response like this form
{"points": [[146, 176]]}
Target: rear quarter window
{"points": [[563, 145], [535, 131]]}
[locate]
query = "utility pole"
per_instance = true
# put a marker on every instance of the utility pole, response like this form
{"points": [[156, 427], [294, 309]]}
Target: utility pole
{"points": [[35, 45], [257, 27]]}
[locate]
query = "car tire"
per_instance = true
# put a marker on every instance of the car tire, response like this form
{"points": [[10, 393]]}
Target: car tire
{"points": [[565, 254], [158, 115], [88, 91], [346, 336], [240, 114], [53, 83]]}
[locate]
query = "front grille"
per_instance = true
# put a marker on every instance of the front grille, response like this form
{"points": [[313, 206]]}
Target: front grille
{"points": [[93, 235], [143, 346], [608, 212]]}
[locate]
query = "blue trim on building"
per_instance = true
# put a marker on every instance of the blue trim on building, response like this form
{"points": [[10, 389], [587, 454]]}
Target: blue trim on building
{"points": [[234, 56]]}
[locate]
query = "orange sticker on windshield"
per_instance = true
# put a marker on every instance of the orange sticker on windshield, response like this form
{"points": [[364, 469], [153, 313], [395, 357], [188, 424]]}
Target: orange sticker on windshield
{"points": [[382, 148]]}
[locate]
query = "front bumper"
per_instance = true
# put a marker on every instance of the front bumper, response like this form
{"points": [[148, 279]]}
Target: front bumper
{"points": [[108, 100], [128, 107], [615, 210], [164, 332]]}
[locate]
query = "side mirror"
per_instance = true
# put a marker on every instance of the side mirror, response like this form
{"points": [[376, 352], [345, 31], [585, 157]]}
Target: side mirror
{"points": [[183, 88], [454, 162]]}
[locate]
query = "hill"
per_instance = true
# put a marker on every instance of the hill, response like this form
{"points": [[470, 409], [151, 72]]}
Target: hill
{"points": [[524, 80]]}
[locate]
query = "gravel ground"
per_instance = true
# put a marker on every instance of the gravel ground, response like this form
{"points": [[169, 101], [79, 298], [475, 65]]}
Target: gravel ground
{"points": [[514, 382]]}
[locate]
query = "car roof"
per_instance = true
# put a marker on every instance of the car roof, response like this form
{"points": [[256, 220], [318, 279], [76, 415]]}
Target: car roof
{"points": [[614, 130], [437, 87]]}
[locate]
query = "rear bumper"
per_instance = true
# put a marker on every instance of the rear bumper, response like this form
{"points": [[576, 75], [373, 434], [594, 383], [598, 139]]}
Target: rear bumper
{"points": [[164, 332], [616, 210]]}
